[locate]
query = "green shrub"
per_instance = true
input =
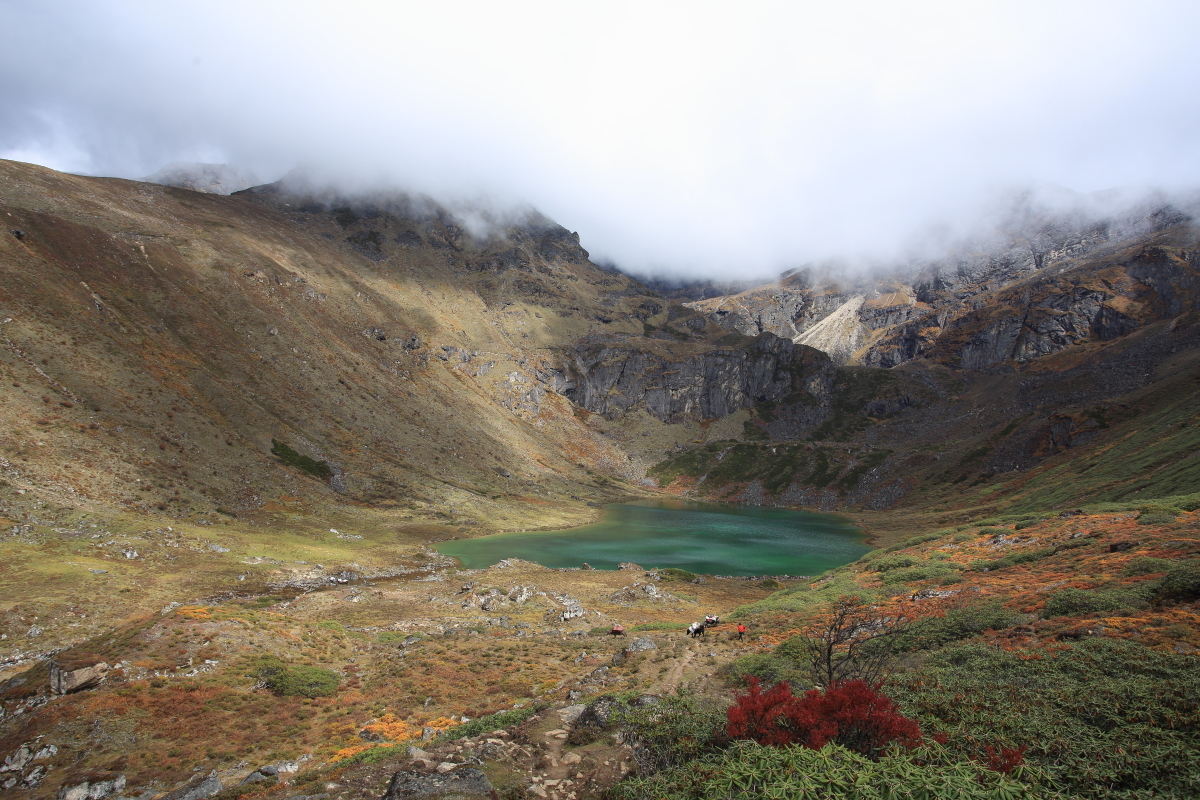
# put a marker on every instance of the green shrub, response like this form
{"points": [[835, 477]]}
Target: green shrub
{"points": [[374, 755], [673, 731], [922, 573], [491, 722], [674, 574], [287, 455], [1182, 582], [1157, 515], [1073, 602], [770, 668], [958, 623], [1022, 557], [747, 770], [805, 597], [920, 538], [993, 531], [893, 562], [1105, 718], [1187, 502], [1146, 565], [651, 626], [297, 680], [1071, 544]]}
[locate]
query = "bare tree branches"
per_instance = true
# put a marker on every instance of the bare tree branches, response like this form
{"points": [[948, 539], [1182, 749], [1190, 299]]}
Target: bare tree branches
{"points": [[851, 643]]}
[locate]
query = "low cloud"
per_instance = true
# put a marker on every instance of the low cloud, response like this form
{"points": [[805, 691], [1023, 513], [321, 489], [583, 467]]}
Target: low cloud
{"points": [[679, 139]]}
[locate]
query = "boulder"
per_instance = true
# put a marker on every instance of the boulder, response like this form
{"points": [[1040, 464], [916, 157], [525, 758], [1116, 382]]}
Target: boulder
{"points": [[460, 784], [598, 714], [636, 646], [641, 645], [94, 788], [262, 774], [18, 760], [645, 700], [630, 565], [520, 594], [196, 789], [571, 713], [33, 778], [64, 680]]}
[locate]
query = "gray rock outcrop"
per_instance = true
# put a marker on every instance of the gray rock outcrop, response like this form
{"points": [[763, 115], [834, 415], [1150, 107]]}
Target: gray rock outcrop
{"points": [[709, 385], [464, 783], [65, 680], [1043, 282], [94, 788], [196, 789]]}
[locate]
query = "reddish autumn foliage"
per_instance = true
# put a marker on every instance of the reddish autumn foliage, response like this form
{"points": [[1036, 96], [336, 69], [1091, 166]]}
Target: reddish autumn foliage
{"points": [[1006, 759], [852, 714]]}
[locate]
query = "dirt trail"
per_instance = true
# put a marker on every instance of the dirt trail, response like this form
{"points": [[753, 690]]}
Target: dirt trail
{"points": [[558, 770], [670, 681]]}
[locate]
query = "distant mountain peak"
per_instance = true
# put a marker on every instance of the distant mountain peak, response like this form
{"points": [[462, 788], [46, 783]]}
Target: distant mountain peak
{"points": [[208, 178]]}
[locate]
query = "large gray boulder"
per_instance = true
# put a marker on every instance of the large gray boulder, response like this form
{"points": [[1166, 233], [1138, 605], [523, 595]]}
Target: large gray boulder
{"points": [[197, 789], [599, 713], [64, 680], [94, 788], [466, 783], [641, 645]]}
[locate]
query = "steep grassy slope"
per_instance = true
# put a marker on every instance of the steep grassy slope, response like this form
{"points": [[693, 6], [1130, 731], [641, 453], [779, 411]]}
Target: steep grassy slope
{"points": [[158, 341]]}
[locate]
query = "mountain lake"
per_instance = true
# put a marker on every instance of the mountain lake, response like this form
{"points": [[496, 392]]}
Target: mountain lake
{"points": [[703, 538]]}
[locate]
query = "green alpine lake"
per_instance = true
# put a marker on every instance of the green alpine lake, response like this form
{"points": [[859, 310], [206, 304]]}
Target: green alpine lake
{"points": [[703, 538]]}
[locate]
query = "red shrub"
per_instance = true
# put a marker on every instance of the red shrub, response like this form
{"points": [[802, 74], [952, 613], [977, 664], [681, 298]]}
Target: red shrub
{"points": [[852, 714], [1005, 761], [758, 715]]}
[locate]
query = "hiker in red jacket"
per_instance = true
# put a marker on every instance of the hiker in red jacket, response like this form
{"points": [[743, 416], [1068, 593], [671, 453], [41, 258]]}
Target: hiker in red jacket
{"points": [[741, 631]]}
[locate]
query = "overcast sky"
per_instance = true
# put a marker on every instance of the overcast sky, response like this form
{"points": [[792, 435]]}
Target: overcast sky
{"points": [[715, 139]]}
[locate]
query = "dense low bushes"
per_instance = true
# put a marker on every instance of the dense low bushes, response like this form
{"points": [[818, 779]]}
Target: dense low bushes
{"points": [[491, 722], [1073, 602], [297, 680], [1011, 560], [749, 771], [1182, 582], [318, 469], [955, 625], [925, 572], [1105, 718]]}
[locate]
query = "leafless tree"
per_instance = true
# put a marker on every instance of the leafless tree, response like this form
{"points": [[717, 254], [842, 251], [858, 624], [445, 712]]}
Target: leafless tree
{"points": [[851, 643]]}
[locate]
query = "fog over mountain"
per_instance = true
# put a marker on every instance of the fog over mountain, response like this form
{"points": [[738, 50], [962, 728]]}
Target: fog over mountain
{"points": [[684, 140]]}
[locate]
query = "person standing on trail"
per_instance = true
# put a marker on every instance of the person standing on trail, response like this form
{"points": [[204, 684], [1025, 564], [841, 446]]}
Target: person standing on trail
{"points": [[741, 631]]}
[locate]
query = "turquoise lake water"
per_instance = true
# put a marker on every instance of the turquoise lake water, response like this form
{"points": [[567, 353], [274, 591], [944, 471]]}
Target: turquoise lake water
{"points": [[698, 537]]}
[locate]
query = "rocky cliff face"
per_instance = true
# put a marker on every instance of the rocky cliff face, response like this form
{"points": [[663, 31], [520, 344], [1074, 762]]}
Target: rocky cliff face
{"points": [[1032, 292], [707, 385], [1098, 298]]}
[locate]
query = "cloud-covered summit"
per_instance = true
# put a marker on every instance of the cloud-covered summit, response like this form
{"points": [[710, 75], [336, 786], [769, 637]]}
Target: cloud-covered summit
{"points": [[687, 139]]}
